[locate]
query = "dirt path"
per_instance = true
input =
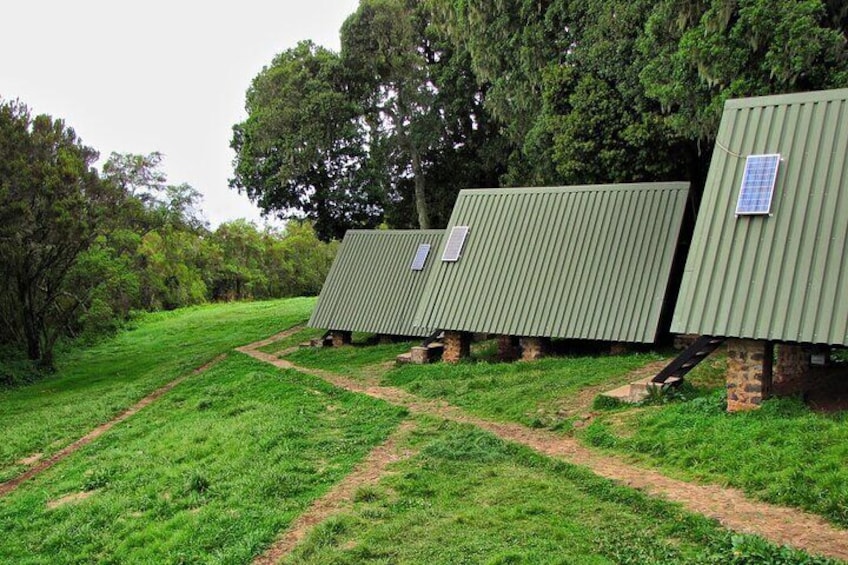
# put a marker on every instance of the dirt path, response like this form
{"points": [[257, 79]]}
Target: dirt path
{"points": [[44, 464], [730, 507], [369, 471], [273, 339]]}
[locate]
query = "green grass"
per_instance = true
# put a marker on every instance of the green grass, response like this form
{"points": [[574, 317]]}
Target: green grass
{"points": [[94, 384], [783, 453], [538, 394], [211, 473], [469, 498], [293, 340], [357, 360]]}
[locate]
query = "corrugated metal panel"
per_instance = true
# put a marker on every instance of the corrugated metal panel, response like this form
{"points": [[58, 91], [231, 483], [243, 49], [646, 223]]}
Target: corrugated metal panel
{"points": [[371, 286], [781, 277], [583, 262]]}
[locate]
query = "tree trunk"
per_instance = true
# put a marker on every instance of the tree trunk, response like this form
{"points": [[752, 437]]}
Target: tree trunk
{"points": [[28, 320], [420, 191]]}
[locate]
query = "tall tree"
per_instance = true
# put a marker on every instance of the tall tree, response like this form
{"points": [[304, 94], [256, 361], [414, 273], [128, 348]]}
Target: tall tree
{"points": [[384, 57], [149, 201], [53, 205], [699, 53], [512, 44], [601, 125], [301, 152], [423, 109]]}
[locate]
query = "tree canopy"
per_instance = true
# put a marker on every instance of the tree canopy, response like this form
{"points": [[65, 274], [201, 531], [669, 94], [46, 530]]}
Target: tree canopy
{"points": [[52, 207], [450, 94], [80, 250]]}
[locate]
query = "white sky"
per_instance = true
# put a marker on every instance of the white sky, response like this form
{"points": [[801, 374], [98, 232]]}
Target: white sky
{"points": [[161, 75]]}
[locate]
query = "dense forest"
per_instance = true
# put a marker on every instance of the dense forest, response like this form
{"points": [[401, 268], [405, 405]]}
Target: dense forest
{"points": [[424, 98], [81, 249]]}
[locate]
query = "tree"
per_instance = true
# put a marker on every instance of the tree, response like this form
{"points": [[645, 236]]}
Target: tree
{"points": [[240, 253], [382, 52], [149, 201], [702, 52], [512, 44], [423, 109], [53, 205], [301, 152], [297, 261], [597, 119]]}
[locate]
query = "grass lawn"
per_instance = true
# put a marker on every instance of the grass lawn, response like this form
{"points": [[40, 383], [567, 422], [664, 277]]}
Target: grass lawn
{"points": [[469, 498], [543, 393], [293, 340], [96, 383], [359, 360], [218, 467], [211, 473], [783, 453]]}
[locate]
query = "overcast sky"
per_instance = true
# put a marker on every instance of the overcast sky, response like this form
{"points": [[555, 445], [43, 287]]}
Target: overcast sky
{"points": [[161, 75]]}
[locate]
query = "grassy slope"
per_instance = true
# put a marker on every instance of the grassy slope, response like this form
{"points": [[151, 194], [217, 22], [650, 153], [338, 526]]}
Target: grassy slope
{"points": [[356, 361], [210, 473], [469, 498], [784, 453], [95, 384], [535, 394]]}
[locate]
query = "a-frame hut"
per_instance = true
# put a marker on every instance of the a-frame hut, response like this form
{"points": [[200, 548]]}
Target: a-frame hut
{"points": [[768, 259], [576, 262], [375, 283]]}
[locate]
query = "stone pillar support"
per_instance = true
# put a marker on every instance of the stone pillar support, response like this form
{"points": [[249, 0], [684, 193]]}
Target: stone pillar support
{"points": [[749, 373], [792, 370], [340, 338], [533, 348], [457, 346], [619, 348], [508, 348]]}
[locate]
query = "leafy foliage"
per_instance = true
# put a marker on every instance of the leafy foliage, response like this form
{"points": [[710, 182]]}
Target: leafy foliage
{"points": [[53, 205], [388, 130], [80, 251], [301, 151]]}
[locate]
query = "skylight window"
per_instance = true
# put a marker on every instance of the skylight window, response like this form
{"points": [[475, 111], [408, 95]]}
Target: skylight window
{"points": [[420, 258], [453, 249]]}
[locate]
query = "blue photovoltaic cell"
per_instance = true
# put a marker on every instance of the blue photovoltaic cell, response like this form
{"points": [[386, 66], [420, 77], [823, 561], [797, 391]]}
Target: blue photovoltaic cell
{"points": [[420, 258], [757, 184]]}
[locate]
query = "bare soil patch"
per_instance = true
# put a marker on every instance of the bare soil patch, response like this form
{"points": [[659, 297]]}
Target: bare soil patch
{"points": [[34, 458], [274, 338], [75, 497], [730, 507], [44, 464], [369, 471]]}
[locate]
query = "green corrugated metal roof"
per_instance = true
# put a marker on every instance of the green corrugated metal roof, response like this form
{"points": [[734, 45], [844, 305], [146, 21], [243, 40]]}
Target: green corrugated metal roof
{"points": [[582, 262], [371, 286], [781, 277]]}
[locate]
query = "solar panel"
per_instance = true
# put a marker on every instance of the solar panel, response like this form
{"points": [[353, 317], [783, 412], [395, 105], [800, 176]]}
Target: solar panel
{"points": [[453, 248], [757, 184], [420, 258]]}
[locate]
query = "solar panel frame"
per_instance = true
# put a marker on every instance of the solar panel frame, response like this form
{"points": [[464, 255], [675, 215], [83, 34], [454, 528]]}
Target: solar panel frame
{"points": [[453, 247], [758, 181], [420, 259]]}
